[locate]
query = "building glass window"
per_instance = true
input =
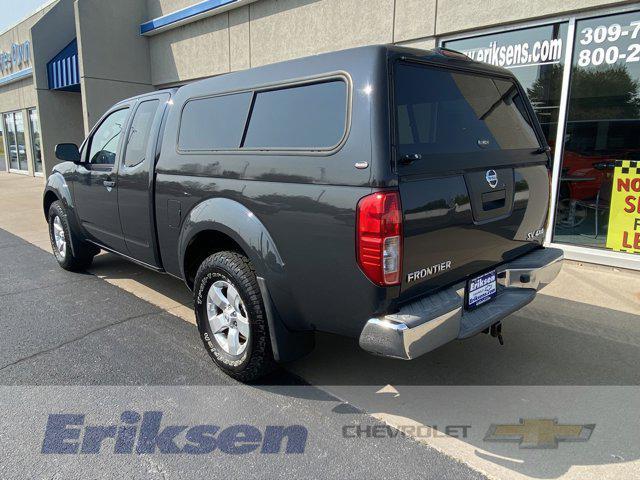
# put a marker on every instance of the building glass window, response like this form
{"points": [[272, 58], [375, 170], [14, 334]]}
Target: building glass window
{"points": [[3, 157], [602, 143], [34, 123], [536, 58], [14, 124]]}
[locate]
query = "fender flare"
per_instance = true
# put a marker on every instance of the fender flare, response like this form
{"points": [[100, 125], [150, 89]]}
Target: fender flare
{"points": [[240, 224], [57, 184], [235, 220]]}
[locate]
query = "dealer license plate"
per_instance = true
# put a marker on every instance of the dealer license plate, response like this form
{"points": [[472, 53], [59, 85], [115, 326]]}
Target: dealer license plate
{"points": [[481, 289]]}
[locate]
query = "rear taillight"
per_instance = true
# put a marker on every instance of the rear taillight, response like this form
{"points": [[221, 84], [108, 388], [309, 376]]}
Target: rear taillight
{"points": [[379, 237]]}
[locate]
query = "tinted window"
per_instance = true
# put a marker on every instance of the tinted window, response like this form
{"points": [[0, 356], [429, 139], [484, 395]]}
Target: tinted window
{"points": [[440, 111], [535, 56], [139, 132], [307, 117], [34, 122], [104, 143], [215, 123], [2, 156]]}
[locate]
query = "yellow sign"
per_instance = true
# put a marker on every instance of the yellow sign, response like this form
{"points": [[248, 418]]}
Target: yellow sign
{"points": [[623, 234]]}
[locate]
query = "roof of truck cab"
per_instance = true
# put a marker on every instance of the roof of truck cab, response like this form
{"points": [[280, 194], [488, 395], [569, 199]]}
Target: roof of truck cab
{"points": [[170, 91]]}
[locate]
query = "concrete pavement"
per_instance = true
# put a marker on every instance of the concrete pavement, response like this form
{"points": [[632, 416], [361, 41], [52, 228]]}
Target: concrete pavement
{"points": [[572, 354]]}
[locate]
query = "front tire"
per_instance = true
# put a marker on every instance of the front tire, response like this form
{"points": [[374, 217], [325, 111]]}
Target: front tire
{"points": [[61, 236], [231, 316]]}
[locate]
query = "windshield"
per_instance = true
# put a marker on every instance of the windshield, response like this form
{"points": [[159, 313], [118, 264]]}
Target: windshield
{"points": [[440, 111]]}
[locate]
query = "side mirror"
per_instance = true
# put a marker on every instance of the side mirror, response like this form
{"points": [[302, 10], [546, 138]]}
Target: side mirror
{"points": [[68, 152]]}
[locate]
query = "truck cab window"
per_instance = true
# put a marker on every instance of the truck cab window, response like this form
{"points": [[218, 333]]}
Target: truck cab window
{"points": [[139, 133], [104, 143]]}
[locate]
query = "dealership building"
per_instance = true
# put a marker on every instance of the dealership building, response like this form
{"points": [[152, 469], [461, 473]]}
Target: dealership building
{"points": [[579, 61]]}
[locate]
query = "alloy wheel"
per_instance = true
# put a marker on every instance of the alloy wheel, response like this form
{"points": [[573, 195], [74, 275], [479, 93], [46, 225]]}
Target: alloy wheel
{"points": [[228, 318]]}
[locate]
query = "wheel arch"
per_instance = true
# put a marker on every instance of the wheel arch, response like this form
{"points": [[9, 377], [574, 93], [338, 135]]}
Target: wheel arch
{"points": [[223, 224], [55, 189], [220, 223]]}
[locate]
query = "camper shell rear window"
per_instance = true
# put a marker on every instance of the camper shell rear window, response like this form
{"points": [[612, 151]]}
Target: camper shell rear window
{"points": [[442, 111]]}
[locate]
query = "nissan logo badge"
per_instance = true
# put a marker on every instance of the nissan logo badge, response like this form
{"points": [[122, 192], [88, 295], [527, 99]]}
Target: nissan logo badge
{"points": [[492, 178]]}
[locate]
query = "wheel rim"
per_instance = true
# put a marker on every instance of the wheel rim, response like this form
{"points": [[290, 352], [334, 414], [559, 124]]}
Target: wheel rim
{"points": [[59, 237], [228, 318]]}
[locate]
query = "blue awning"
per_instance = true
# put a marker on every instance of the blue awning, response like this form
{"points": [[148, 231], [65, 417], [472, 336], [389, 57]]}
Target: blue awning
{"points": [[63, 71]]}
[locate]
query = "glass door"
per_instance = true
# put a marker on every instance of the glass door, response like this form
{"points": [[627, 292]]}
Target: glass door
{"points": [[16, 141], [12, 150], [3, 156], [34, 123]]}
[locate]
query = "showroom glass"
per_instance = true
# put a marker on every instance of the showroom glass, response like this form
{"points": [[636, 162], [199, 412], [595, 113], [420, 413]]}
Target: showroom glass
{"points": [[458, 111], [3, 158], [16, 141], [303, 117], [36, 145], [535, 56], [104, 143], [139, 133], [603, 124]]}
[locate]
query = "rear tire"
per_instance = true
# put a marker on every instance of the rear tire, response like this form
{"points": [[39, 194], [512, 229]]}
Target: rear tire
{"points": [[231, 316], [61, 236]]}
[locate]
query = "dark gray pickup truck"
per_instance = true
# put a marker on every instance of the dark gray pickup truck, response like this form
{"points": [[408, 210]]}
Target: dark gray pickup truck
{"points": [[394, 195]]}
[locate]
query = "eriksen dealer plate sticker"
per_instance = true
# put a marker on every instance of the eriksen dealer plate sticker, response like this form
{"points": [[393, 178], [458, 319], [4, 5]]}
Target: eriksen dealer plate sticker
{"points": [[481, 289]]}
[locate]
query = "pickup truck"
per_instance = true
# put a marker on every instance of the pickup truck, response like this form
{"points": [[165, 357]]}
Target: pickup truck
{"points": [[393, 195]]}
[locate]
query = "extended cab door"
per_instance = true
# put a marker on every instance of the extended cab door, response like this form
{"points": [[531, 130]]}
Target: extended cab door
{"points": [[94, 189], [136, 176]]}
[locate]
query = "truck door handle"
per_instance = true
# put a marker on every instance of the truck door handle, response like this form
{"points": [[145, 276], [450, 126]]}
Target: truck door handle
{"points": [[109, 184]]}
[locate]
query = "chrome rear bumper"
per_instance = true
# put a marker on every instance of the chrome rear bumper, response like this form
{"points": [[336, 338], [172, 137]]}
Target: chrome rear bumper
{"points": [[432, 321]]}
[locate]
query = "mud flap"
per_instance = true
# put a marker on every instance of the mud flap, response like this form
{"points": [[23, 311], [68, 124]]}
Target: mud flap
{"points": [[287, 345]]}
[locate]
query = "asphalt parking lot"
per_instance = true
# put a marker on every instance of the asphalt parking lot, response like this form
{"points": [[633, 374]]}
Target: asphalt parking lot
{"points": [[62, 330], [121, 337]]}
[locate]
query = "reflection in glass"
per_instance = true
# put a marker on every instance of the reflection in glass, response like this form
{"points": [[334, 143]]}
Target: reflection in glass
{"points": [[20, 139], [34, 122], [305, 117], [15, 141], [139, 133], [602, 125], [104, 143], [458, 111], [535, 56], [3, 158]]}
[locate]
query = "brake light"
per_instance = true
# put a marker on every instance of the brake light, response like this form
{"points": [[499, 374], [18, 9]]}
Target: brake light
{"points": [[379, 237]]}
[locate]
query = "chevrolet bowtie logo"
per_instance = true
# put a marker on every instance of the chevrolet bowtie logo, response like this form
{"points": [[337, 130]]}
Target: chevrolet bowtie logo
{"points": [[539, 433]]}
